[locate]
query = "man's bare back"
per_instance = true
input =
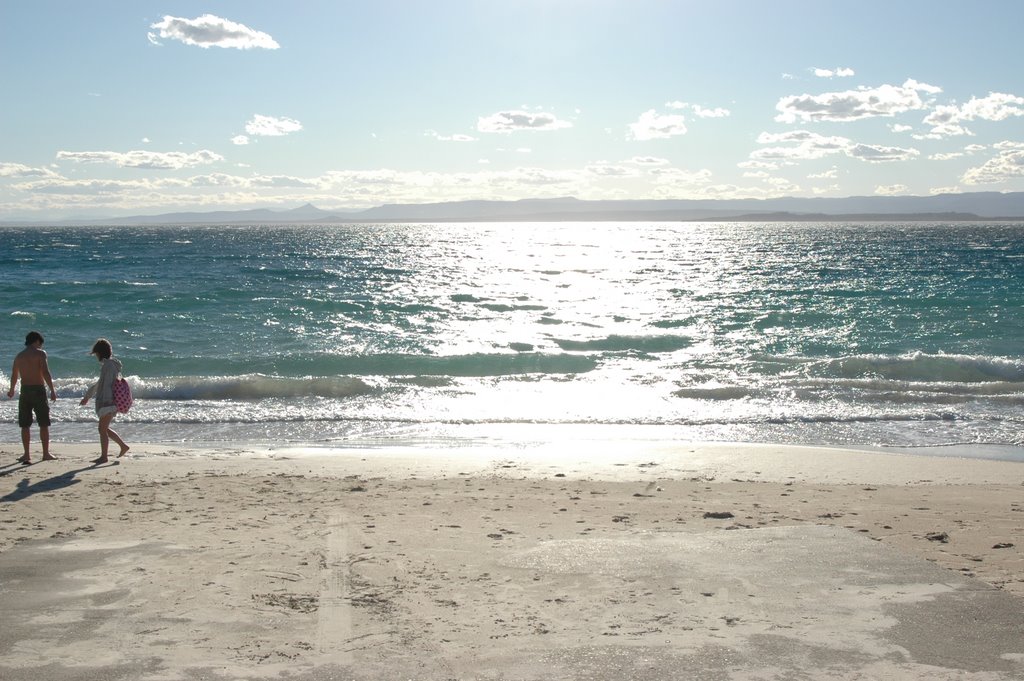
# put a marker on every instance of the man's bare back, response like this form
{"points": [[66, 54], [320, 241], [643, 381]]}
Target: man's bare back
{"points": [[30, 364]]}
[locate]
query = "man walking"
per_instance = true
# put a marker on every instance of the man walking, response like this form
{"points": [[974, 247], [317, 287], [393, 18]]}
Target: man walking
{"points": [[31, 367]]}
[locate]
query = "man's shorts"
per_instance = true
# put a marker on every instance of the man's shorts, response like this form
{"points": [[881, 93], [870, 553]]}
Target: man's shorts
{"points": [[33, 399]]}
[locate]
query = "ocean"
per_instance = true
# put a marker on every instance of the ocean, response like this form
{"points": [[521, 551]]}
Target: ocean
{"points": [[881, 335]]}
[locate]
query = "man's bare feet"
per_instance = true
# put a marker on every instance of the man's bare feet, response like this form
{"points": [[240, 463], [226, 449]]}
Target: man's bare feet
{"points": [[49, 457], [123, 451], [102, 459], [26, 459]]}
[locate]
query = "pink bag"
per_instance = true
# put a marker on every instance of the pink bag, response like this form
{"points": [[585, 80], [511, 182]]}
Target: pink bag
{"points": [[122, 396]]}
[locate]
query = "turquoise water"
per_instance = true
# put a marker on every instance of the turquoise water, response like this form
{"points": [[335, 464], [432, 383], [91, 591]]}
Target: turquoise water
{"points": [[895, 335]]}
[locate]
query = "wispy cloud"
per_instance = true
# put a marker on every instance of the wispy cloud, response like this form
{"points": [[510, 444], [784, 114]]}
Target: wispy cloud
{"points": [[152, 160], [511, 121], [17, 170], [700, 111], [211, 31], [891, 189], [269, 126], [842, 72], [804, 145], [450, 138], [852, 105], [874, 153], [651, 126]]}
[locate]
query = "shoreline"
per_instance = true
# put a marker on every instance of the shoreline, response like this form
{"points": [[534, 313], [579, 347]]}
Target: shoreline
{"points": [[263, 561]]}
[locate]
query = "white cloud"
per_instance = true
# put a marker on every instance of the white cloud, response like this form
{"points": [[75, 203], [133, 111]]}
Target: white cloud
{"points": [[678, 176], [807, 145], [891, 189], [154, 160], [1007, 165], [945, 157], [511, 121], [18, 170], [899, 127], [211, 31], [648, 161], [834, 73], [699, 110], [652, 125], [450, 138], [269, 126], [765, 165], [240, 140], [852, 105], [996, 106], [611, 170], [830, 174], [879, 154]]}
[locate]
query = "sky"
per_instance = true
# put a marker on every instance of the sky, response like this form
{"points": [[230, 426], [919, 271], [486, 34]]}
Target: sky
{"points": [[132, 107]]}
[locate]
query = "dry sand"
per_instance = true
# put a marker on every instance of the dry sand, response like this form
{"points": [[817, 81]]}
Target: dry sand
{"points": [[257, 562]]}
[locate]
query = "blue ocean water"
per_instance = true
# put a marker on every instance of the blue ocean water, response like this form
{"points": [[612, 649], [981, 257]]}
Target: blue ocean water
{"points": [[867, 334]]}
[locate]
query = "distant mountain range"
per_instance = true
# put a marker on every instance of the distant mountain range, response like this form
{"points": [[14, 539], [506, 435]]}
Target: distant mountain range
{"points": [[942, 207]]}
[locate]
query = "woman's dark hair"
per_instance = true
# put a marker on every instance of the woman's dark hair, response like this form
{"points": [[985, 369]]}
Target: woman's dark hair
{"points": [[102, 349], [32, 337]]}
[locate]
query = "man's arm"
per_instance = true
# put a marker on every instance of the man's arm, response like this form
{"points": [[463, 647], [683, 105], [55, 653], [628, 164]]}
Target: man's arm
{"points": [[49, 379], [14, 379]]}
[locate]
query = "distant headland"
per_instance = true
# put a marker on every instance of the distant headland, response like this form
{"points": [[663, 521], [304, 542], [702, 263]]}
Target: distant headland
{"points": [[975, 206]]}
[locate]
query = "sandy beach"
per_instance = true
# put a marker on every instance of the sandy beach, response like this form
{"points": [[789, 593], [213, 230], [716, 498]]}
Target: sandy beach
{"points": [[228, 562]]}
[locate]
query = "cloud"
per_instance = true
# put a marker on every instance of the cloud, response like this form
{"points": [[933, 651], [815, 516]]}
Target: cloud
{"points": [[211, 31], [1007, 165], [611, 170], [873, 153], [651, 125], [833, 73], [852, 105], [90, 187], [268, 126], [678, 176], [891, 189], [996, 106], [18, 170], [807, 145], [698, 110], [648, 161], [764, 165], [830, 174], [153, 160], [450, 138], [511, 121], [240, 140]]}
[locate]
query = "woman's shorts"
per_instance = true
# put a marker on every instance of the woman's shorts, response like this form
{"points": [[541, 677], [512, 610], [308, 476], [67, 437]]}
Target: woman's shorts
{"points": [[103, 411]]}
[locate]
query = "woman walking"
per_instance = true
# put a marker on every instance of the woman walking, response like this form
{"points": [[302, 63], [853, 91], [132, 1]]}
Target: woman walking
{"points": [[103, 389]]}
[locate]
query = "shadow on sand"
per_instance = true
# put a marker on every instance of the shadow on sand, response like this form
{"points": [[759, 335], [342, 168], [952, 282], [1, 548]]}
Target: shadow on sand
{"points": [[25, 488]]}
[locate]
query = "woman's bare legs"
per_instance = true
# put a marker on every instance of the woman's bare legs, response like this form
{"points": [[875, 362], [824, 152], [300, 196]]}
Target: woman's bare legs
{"points": [[106, 435]]}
